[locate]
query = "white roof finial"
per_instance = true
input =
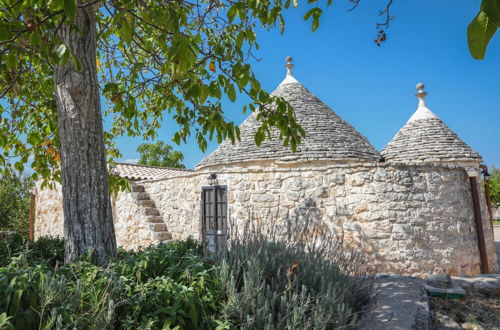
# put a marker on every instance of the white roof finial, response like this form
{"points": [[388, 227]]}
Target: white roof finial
{"points": [[289, 79], [421, 95], [422, 112], [289, 65]]}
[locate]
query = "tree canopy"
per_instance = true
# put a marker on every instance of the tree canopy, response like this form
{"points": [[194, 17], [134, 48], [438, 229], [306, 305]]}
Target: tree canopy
{"points": [[59, 58], [153, 57], [160, 154]]}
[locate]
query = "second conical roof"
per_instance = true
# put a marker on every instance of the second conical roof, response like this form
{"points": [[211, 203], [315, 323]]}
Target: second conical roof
{"points": [[426, 138]]}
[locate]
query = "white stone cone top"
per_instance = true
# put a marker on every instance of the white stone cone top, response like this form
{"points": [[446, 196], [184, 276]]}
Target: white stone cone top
{"points": [[422, 111], [289, 79]]}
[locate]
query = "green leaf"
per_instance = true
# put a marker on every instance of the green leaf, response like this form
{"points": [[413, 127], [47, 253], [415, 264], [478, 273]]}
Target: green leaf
{"points": [[11, 60], [315, 13], [126, 31], [60, 50], [70, 8], [479, 33], [19, 166], [35, 38], [34, 138], [231, 13], [62, 54], [231, 93], [492, 9]]}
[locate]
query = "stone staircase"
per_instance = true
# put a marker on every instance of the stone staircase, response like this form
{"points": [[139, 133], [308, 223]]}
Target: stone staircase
{"points": [[151, 214]]}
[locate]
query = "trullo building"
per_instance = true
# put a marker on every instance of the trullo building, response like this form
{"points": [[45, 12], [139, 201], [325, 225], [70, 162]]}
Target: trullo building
{"points": [[415, 208]]}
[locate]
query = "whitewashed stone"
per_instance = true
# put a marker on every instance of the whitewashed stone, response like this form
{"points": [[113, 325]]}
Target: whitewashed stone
{"points": [[425, 227]]}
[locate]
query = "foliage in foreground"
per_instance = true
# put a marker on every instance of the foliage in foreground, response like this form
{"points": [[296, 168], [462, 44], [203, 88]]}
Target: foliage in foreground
{"points": [[261, 282], [15, 203], [164, 286], [291, 281]]}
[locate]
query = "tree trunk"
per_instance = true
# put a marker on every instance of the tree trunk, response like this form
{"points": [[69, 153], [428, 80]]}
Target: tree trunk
{"points": [[88, 220]]}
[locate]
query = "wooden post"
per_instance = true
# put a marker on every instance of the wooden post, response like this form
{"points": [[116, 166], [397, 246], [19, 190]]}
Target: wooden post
{"points": [[32, 218], [487, 192], [479, 225]]}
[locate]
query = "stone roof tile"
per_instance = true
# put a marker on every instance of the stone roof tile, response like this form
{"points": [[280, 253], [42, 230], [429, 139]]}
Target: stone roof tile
{"points": [[137, 172]]}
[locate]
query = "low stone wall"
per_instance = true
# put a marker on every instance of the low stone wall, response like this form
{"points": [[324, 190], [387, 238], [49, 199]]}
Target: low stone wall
{"points": [[131, 229], [48, 212], [406, 219]]}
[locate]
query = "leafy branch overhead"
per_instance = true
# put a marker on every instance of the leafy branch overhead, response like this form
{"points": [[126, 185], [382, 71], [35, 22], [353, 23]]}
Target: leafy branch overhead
{"points": [[153, 57], [483, 27]]}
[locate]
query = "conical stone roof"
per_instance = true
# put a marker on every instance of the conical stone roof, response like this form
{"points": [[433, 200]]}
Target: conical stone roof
{"points": [[426, 138], [328, 137]]}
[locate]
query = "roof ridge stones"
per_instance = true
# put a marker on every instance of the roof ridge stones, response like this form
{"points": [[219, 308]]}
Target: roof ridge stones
{"points": [[327, 135], [426, 138]]}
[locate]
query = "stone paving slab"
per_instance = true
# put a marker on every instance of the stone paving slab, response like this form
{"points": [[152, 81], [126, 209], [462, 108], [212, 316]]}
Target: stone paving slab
{"points": [[401, 303]]}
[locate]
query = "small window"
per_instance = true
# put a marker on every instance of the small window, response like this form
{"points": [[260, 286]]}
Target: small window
{"points": [[214, 217]]}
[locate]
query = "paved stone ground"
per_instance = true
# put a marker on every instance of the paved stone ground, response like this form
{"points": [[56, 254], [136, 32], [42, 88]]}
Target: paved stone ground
{"points": [[400, 304]]}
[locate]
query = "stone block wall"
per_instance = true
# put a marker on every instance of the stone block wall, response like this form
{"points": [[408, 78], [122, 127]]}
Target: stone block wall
{"points": [[406, 219], [131, 229], [48, 212], [409, 219]]}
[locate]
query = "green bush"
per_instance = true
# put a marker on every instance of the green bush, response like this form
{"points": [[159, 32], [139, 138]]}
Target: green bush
{"points": [[48, 250], [276, 281], [164, 286], [261, 282], [15, 203]]}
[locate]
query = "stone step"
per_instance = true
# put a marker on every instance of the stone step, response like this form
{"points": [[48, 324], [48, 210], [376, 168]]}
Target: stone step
{"points": [[137, 188], [154, 219], [141, 196], [162, 235], [151, 211], [146, 203], [158, 227]]}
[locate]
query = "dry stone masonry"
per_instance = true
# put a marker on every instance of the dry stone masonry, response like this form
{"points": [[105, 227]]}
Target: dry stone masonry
{"points": [[411, 214]]}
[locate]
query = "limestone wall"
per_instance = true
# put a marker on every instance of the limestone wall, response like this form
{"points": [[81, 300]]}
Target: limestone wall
{"points": [[131, 229], [48, 212], [409, 219]]}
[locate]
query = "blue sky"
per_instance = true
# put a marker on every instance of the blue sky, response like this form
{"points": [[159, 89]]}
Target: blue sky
{"points": [[373, 87]]}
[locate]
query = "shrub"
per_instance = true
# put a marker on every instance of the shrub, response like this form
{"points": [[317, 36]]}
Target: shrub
{"points": [[165, 285], [291, 281], [264, 280], [15, 203], [46, 249]]}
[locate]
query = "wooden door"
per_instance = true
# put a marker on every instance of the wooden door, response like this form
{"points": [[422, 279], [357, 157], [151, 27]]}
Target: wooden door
{"points": [[214, 217]]}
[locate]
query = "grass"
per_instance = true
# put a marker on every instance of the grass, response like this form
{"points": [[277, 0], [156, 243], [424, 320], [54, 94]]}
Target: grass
{"points": [[496, 222]]}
